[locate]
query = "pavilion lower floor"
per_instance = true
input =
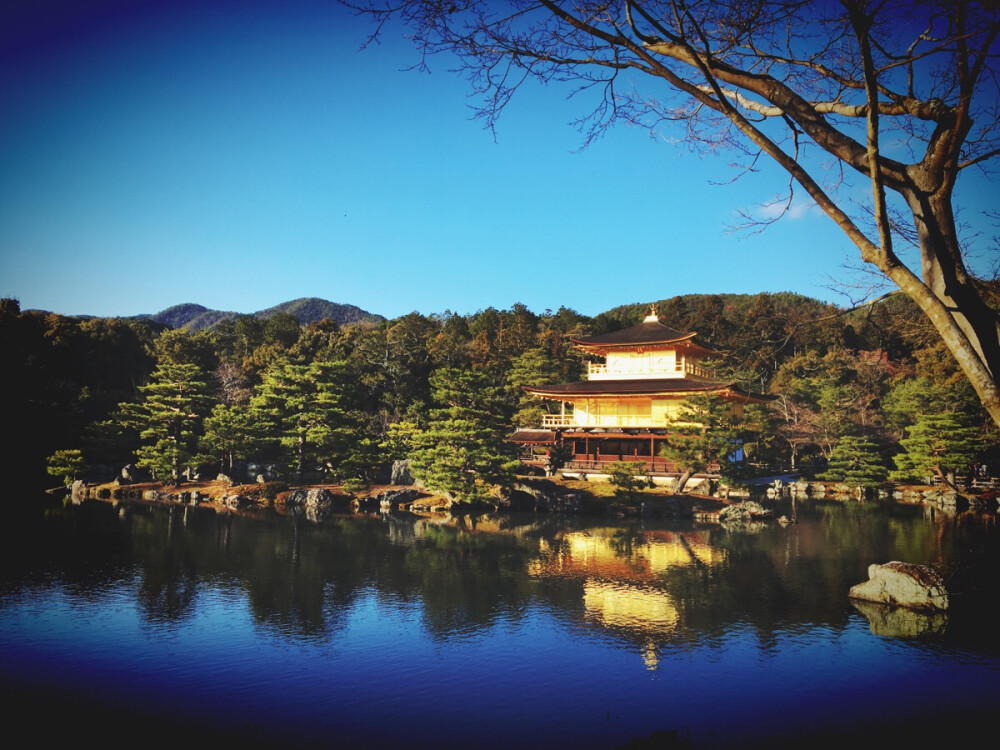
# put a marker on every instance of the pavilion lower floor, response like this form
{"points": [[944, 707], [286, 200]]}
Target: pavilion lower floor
{"points": [[596, 450]]}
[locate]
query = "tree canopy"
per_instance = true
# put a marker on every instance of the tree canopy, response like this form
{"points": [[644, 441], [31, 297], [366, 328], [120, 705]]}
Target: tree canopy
{"points": [[462, 451], [899, 94], [343, 402]]}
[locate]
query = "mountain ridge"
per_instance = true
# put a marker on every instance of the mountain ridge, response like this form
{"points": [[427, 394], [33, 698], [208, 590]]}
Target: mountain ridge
{"points": [[306, 310]]}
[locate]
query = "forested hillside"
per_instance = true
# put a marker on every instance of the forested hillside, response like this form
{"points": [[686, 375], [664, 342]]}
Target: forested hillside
{"points": [[305, 310], [342, 400]]}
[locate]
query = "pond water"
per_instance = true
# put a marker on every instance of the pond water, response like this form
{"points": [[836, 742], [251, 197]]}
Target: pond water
{"points": [[150, 624]]}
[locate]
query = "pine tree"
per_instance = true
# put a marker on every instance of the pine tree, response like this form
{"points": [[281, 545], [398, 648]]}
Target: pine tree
{"points": [[705, 432], [66, 464], [627, 477], [305, 410], [169, 418], [855, 461], [534, 367], [463, 450], [229, 436], [940, 444]]}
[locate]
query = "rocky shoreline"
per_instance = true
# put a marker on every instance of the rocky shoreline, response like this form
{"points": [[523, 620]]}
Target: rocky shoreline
{"points": [[530, 494]]}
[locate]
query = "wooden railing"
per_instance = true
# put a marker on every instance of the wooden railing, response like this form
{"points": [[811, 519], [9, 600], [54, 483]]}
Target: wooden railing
{"points": [[610, 420], [570, 420], [680, 369], [693, 368]]}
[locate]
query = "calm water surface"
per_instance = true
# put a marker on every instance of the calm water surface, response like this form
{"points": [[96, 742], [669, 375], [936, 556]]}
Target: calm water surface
{"points": [[139, 624]]}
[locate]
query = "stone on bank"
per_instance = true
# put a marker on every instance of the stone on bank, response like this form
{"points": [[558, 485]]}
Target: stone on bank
{"points": [[901, 584]]}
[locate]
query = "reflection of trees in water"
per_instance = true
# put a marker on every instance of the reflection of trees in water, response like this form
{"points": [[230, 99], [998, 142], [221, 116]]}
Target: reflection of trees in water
{"points": [[467, 581], [168, 587], [656, 585], [82, 547], [625, 542]]}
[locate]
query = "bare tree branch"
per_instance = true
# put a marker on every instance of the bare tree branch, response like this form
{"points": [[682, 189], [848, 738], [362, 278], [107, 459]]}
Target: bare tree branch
{"points": [[902, 94]]}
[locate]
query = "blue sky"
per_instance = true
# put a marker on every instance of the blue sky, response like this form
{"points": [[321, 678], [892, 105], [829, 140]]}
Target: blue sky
{"points": [[239, 155]]}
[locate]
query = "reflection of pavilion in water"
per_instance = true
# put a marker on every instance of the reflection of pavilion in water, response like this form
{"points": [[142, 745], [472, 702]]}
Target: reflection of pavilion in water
{"points": [[620, 574]]}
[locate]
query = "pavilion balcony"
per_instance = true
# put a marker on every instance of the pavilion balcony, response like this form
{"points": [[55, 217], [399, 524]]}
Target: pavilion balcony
{"points": [[648, 370], [603, 420]]}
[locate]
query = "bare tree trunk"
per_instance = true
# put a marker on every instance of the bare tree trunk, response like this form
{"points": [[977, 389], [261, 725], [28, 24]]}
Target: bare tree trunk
{"points": [[947, 478], [682, 482], [301, 457], [947, 296]]}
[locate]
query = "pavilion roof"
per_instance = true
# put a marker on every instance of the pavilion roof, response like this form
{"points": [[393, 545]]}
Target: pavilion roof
{"points": [[651, 331], [644, 387]]}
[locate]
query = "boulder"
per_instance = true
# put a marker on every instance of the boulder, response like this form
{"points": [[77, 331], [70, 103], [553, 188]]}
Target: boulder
{"points": [[698, 485], [541, 495], [315, 498], [401, 472], [78, 490], [386, 501], [953, 501], [394, 499], [800, 488], [749, 510], [191, 498], [902, 584], [521, 500]]}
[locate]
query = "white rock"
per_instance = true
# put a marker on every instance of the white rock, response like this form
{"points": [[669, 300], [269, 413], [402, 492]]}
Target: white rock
{"points": [[903, 584]]}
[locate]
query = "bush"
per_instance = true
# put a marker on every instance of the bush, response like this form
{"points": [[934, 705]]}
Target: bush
{"points": [[855, 461], [66, 464], [627, 476]]}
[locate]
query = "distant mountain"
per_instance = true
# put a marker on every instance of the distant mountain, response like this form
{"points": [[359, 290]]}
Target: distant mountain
{"points": [[193, 316], [313, 309], [305, 309]]}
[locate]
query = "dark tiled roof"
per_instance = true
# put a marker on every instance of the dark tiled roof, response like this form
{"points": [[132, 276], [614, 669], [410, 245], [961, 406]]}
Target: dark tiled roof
{"points": [[660, 386], [533, 436], [651, 332]]}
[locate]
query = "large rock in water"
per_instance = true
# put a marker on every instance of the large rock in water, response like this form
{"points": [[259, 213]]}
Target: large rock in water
{"points": [[540, 495], [748, 510], [313, 498], [901, 584]]}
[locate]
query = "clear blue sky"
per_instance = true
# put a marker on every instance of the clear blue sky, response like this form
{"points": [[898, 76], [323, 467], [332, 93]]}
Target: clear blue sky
{"points": [[242, 154]]}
